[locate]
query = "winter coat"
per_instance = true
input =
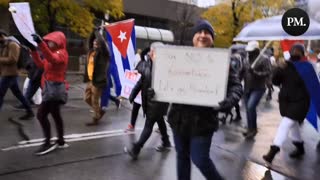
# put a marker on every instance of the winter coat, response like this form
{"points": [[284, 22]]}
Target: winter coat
{"points": [[294, 98], [150, 108], [191, 120], [101, 62], [257, 77], [54, 63], [9, 55]]}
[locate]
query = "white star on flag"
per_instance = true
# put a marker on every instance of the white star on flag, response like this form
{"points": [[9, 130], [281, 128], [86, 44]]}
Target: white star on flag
{"points": [[122, 35]]}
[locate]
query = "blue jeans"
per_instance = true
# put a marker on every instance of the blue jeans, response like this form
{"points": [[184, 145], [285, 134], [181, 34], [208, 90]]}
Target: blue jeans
{"points": [[198, 149], [12, 83], [106, 95], [252, 99]]}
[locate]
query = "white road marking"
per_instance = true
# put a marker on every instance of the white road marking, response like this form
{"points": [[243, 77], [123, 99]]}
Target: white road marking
{"points": [[73, 138]]}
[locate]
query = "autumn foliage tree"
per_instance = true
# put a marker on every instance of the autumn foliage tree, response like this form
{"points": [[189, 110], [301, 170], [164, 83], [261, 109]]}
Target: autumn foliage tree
{"points": [[78, 15], [229, 17]]}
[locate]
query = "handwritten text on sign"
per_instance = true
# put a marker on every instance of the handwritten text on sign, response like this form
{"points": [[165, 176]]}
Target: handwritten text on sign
{"points": [[187, 75], [131, 78]]}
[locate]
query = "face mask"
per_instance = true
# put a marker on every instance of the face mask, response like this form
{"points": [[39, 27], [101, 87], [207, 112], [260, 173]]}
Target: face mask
{"points": [[51, 45], [253, 55]]}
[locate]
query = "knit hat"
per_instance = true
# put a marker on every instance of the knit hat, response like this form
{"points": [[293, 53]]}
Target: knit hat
{"points": [[299, 47], [203, 25]]}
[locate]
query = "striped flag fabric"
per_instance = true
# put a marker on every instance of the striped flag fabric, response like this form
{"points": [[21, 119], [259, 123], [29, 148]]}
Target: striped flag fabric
{"points": [[121, 39], [308, 73]]}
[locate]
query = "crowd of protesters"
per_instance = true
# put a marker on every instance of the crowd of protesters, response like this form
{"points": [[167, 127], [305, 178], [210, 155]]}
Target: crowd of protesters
{"points": [[193, 126]]}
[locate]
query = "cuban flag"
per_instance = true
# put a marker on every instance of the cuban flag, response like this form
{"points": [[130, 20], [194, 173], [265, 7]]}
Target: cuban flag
{"points": [[309, 75], [121, 39]]}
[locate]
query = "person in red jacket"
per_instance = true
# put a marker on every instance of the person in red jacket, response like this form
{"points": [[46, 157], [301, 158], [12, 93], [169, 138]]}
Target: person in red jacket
{"points": [[54, 64]]}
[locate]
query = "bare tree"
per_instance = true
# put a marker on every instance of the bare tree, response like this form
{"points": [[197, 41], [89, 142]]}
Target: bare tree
{"points": [[186, 14]]}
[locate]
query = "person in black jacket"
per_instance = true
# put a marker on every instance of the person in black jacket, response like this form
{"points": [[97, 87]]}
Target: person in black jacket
{"points": [[97, 65], [255, 80], [135, 106], [193, 126], [294, 104], [153, 110], [34, 74]]}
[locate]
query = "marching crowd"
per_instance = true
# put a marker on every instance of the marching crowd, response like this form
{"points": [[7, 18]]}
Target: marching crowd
{"points": [[252, 72]]}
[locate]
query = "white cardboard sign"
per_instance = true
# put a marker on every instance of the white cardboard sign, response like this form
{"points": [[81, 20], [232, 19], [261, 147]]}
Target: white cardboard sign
{"points": [[188, 75], [21, 15], [130, 80]]}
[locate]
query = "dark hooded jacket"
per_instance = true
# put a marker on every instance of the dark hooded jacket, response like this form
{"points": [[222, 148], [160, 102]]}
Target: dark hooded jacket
{"points": [[54, 63], [151, 108], [101, 61], [294, 98], [257, 77]]}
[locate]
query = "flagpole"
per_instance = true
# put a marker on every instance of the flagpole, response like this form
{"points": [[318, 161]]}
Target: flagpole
{"points": [[261, 52]]}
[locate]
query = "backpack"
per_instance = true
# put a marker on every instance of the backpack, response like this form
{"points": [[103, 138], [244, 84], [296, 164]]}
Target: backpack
{"points": [[24, 56]]}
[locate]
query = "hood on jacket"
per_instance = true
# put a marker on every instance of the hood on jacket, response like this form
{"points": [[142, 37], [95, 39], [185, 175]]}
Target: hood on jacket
{"points": [[57, 37]]}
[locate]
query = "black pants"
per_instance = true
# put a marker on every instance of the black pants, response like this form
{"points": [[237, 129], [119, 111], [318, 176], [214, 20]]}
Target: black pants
{"points": [[134, 113], [52, 107], [148, 127]]}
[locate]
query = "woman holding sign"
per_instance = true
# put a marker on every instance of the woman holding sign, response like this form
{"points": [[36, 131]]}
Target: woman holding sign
{"points": [[193, 126]]}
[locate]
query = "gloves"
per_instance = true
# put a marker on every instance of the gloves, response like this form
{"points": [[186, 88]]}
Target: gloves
{"points": [[150, 93], [224, 105], [36, 38], [30, 46]]}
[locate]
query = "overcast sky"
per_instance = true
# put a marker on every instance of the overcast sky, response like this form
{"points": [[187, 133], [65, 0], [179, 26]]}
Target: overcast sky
{"points": [[205, 3]]}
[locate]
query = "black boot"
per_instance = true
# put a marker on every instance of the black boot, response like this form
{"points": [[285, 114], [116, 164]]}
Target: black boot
{"points": [[299, 151], [271, 154], [250, 134], [29, 115], [133, 151], [318, 147], [165, 146]]}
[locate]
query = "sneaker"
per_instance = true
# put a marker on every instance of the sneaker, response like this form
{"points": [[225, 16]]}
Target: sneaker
{"points": [[250, 134], [102, 112], [19, 107], [46, 148], [163, 147], [133, 152], [29, 115], [63, 146], [94, 123], [118, 104], [130, 128], [130, 153]]}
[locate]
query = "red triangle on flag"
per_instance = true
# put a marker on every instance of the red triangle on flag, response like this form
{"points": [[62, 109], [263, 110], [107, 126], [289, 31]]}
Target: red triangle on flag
{"points": [[120, 33]]}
